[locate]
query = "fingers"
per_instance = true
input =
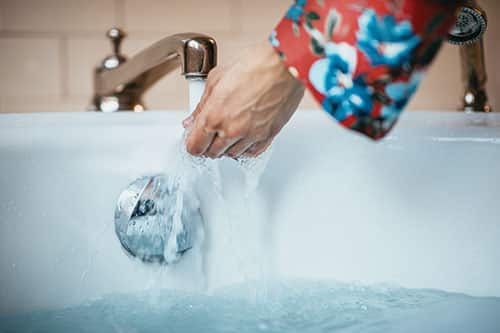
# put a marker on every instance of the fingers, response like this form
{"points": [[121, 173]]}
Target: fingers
{"points": [[219, 146], [199, 138], [239, 148], [258, 148], [188, 122], [200, 135]]}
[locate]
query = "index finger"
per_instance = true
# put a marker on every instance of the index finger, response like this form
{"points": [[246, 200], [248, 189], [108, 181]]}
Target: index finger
{"points": [[199, 137]]}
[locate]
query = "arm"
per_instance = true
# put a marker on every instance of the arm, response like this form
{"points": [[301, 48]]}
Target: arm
{"points": [[361, 59]]}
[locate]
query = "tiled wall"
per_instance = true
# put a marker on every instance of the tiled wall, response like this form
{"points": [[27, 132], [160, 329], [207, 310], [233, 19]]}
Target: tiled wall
{"points": [[49, 47]]}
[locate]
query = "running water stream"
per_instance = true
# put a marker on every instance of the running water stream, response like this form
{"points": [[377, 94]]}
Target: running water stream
{"points": [[238, 216]]}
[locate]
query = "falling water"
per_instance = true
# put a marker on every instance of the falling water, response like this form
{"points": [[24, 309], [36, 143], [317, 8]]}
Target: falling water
{"points": [[253, 168], [238, 218], [196, 88], [186, 172]]}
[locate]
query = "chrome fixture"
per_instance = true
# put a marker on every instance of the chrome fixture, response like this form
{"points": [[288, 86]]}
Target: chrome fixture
{"points": [[468, 33], [120, 83], [145, 217]]}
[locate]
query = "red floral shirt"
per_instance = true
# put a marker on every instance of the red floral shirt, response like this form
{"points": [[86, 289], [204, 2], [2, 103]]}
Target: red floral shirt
{"points": [[362, 59]]}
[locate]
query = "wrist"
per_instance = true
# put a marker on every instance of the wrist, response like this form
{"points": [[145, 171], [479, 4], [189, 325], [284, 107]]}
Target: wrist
{"points": [[275, 63]]}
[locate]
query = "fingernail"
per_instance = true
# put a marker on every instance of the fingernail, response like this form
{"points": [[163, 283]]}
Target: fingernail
{"points": [[188, 122]]}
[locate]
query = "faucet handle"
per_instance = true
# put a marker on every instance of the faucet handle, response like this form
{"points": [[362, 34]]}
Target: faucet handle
{"points": [[116, 36]]}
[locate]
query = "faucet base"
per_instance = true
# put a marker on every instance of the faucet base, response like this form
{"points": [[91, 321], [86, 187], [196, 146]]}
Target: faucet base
{"points": [[117, 102], [476, 102]]}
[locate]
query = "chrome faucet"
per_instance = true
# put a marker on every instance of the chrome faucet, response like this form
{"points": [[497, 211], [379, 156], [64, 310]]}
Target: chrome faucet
{"points": [[468, 32], [120, 83]]}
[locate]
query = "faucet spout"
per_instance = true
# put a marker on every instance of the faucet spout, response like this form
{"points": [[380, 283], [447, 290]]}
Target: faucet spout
{"points": [[119, 85]]}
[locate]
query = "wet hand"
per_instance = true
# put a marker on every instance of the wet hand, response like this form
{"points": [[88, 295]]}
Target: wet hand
{"points": [[245, 105]]}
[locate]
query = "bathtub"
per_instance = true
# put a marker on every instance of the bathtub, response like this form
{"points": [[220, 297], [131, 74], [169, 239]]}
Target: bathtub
{"points": [[418, 209]]}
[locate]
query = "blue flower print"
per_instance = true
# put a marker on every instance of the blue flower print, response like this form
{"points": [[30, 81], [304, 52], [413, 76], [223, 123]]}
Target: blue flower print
{"points": [[340, 58], [273, 39], [385, 41], [342, 102], [333, 77], [400, 93], [296, 11]]}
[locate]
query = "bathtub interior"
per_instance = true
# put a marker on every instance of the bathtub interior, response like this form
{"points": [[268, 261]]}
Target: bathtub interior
{"points": [[418, 209]]}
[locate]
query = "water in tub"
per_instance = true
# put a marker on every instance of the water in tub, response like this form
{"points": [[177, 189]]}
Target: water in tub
{"points": [[255, 302]]}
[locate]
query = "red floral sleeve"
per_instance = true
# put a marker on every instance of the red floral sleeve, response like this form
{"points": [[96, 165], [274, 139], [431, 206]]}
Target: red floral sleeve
{"points": [[362, 59]]}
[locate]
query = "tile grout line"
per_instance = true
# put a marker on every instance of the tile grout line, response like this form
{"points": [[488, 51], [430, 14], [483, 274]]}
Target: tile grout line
{"points": [[48, 33], [64, 63]]}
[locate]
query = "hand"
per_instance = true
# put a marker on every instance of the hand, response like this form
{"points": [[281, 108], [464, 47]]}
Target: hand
{"points": [[244, 106]]}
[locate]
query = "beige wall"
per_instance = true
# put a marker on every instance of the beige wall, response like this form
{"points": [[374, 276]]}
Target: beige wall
{"points": [[49, 47]]}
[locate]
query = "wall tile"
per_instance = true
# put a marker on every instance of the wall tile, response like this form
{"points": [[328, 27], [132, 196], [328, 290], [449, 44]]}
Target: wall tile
{"points": [[1, 15], [83, 55], [43, 104], [171, 92], [29, 67], [178, 16], [58, 15], [231, 46], [441, 88], [261, 16], [492, 46], [48, 48]]}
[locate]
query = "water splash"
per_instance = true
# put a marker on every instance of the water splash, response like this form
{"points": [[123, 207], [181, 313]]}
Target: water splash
{"points": [[182, 180], [237, 215], [253, 168], [184, 177]]}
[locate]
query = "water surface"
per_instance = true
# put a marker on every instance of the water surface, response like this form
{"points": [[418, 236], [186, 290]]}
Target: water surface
{"points": [[297, 306]]}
